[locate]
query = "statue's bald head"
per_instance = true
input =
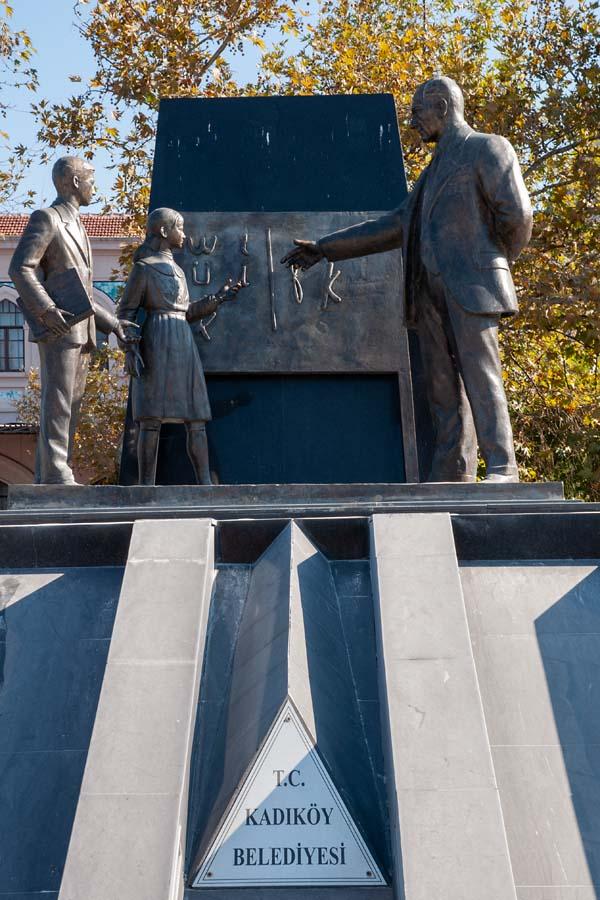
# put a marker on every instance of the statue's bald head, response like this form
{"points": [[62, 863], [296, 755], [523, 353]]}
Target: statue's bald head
{"points": [[65, 168], [447, 89], [73, 179], [436, 104]]}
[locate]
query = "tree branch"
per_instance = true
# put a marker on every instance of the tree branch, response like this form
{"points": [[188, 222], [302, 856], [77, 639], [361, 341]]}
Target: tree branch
{"points": [[557, 151], [549, 187]]}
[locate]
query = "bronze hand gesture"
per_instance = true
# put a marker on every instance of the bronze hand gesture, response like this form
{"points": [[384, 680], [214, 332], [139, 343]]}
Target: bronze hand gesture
{"points": [[303, 256], [55, 320], [124, 330], [229, 290]]}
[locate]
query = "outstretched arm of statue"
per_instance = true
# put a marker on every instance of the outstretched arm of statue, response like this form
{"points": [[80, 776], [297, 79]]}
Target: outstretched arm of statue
{"points": [[372, 236], [304, 255], [198, 309]]}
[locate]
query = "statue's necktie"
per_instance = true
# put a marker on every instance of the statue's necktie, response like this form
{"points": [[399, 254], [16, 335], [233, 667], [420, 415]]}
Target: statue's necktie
{"points": [[83, 236], [430, 180]]}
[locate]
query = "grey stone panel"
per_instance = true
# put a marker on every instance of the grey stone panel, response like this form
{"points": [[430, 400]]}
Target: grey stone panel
{"points": [[158, 621], [423, 630], [514, 673], [259, 631], [119, 847], [536, 638], [55, 628], [548, 892], [508, 597], [133, 739], [148, 542], [452, 846], [133, 803], [448, 835], [551, 802], [291, 642], [438, 722]]}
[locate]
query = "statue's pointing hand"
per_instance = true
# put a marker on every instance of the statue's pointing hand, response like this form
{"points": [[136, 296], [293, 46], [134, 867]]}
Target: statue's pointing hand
{"points": [[303, 256], [125, 332]]}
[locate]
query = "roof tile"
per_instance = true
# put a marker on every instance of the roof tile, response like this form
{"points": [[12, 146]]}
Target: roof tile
{"points": [[12, 225]]}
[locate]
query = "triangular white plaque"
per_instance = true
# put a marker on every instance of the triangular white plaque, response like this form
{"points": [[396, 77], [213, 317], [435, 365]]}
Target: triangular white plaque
{"points": [[287, 823]]}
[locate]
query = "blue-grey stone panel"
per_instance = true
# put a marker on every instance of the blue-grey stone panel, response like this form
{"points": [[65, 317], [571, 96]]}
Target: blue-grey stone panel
{"points": [[36, 895], [38, 799], [55, 630]]}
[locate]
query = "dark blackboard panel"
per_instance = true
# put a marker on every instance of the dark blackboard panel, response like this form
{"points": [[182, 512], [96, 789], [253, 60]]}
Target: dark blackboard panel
{"points": [[263, 431], [278, 154]]}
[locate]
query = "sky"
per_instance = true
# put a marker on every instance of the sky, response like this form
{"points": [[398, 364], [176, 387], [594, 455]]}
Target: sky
{"points": [[61, 52]]}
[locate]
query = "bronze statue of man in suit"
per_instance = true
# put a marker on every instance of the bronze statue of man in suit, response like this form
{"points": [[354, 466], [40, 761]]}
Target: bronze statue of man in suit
{"points": [[466, 219], [54, 242]]}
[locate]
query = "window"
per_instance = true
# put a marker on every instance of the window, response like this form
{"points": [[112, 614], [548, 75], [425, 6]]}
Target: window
{"points": [[12, 340]]}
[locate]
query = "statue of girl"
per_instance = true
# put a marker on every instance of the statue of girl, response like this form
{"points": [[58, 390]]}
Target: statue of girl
{"points": [[167, 382]]}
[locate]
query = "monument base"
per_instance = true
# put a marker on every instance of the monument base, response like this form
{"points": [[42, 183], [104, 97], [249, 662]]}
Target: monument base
{"points": [[438, 642], [63, 502]]}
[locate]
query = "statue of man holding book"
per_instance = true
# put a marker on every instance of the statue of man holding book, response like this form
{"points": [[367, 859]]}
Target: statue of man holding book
{"points": [[52, 270]]}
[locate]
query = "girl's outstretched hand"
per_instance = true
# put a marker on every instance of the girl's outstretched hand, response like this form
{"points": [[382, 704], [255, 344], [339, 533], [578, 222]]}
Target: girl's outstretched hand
{"points": [[229, 290]]}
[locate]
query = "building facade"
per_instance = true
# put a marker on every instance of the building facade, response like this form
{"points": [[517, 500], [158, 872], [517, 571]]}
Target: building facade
{"points": [[18, 354]]}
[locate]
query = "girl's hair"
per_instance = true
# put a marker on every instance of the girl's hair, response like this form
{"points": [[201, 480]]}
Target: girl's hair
{"points": [[157, 218]]}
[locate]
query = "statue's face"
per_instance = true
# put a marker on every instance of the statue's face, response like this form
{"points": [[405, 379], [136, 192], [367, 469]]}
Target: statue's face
{"points": [[84, 184], [176, 234], [427, 116]]}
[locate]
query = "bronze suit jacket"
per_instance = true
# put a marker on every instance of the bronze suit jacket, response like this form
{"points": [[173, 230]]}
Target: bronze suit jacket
{"points": [[51, 243], [475, 216]]}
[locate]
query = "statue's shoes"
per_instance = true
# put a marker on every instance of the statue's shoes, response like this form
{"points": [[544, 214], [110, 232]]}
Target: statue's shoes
{"points": [[69, 482], [498, 478]]}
